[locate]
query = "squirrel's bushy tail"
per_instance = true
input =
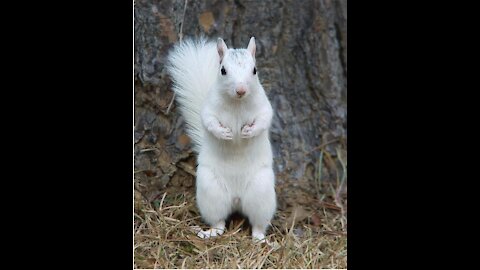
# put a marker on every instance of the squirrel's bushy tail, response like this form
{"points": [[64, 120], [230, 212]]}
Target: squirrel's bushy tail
{"points": [[193, 66]]}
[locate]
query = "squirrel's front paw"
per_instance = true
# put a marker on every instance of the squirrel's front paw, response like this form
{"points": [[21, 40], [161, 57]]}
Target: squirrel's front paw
{"points": [[223, 133], [248, 131]]}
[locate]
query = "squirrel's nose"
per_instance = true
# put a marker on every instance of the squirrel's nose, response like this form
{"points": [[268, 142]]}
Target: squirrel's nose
{"points": [[241, 91]]}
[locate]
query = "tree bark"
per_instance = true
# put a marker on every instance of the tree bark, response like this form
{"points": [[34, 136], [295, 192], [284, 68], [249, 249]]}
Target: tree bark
{"points": [[302, 64]]}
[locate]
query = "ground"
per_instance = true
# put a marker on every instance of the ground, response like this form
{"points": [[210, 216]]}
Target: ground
{"points": [[309, 230]]}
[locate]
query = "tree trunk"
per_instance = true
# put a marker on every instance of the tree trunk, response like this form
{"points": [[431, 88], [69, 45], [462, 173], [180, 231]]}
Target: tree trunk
{"points": [[302, 64]]}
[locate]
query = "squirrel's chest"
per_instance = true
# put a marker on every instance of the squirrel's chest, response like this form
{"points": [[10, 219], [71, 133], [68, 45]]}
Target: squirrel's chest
{"points": [[236, 118]]}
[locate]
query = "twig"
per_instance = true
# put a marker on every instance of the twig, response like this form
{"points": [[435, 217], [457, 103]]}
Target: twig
{"points": [[147, 150], [330, 206], [187, 168], [321, 146], [170, 105], [319, 175], [161, 202], [180, 37]]}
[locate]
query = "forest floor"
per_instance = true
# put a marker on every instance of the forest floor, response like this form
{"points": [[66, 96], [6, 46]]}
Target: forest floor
{"points": [[309, 230]]}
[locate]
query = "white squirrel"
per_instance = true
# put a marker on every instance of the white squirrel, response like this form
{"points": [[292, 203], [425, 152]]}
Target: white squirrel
{"points": [[228, 117]]}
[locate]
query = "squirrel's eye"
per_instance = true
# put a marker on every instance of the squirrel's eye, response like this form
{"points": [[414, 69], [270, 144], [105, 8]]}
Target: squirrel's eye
{"points": [[223, 71], [254, 70]]}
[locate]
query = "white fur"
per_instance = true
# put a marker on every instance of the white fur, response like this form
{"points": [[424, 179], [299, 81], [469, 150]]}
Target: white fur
{"points": [[229, 132], [193, 66]]}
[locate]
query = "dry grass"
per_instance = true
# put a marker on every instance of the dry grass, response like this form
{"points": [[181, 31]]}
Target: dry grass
{"points": [[303, 236]]}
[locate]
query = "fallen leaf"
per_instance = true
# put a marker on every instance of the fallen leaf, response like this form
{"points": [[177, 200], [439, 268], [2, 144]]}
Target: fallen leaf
{"points": [[187, 168], [206, 20], [316, 220], [183, 140], [297, 215], [149, 173]]}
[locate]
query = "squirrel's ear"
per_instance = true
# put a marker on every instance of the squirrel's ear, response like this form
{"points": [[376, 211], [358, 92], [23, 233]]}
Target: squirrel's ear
{"points": [[251, 46], [222, 48]]}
